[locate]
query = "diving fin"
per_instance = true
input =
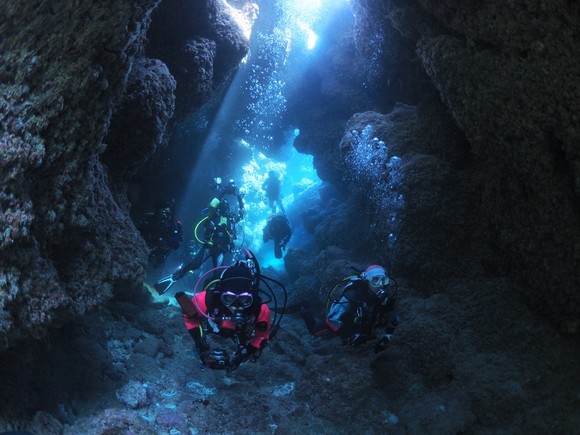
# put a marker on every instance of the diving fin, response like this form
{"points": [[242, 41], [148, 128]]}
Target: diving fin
{"points": [[164, 284], [277, 249]]}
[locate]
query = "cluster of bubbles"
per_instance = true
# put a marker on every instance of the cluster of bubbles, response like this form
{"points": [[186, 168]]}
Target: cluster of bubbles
{"points": [[270, 68], [265, 87], [193, 124], [372, 170], [199, 123], [376, 50]]}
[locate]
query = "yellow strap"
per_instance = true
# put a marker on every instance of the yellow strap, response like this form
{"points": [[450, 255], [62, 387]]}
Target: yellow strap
{"points": [[210, 284], [195, 229]]}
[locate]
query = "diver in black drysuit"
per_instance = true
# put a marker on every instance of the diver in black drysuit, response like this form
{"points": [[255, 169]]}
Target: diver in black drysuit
{"points": [[278, 229]]}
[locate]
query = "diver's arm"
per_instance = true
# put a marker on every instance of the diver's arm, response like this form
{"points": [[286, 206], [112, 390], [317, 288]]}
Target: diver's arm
{"points": [[192, 310], [262, 328], [286, 239], [194, 264], [241, 205], [200, 342]]}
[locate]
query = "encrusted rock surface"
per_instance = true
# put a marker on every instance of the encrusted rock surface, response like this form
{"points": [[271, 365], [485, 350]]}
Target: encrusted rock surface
{"points": [[419, 204], [66, 244], [139, 123], [201, 43], [67, 74], [508, 75], [506, 72]]}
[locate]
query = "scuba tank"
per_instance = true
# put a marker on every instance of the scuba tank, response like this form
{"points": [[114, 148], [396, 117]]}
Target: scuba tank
{"points": [[336, 293]]}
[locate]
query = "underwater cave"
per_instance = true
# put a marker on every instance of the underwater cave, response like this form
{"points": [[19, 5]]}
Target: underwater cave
{"points": [[423, 152]]}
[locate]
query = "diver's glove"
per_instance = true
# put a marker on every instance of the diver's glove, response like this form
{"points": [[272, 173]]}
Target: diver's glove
{"points": [[356, 339], [215, 359], [247, 353], [383, 343]]}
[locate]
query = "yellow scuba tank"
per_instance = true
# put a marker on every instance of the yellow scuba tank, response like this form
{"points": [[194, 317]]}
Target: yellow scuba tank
{"points": [[337, 291]]}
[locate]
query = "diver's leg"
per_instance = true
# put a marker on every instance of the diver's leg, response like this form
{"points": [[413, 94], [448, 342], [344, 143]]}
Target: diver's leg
{"points": [[314, 328], [192, 265], [218, 259], [199, 258], [277, 248], [279, 201]]}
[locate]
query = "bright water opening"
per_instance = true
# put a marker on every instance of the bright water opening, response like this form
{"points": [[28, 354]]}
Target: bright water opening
{"points": [[252, 108]]}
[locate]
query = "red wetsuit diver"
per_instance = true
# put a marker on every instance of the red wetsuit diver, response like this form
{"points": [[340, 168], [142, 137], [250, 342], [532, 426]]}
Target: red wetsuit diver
{"points": [[230, 307]]}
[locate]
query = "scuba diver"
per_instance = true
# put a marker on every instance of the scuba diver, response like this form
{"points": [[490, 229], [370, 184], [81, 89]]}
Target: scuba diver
{"points": [[273, 186], [218, 240], [231, 307], [358, 309], [278, 229], [230, 189], [161, 233]]}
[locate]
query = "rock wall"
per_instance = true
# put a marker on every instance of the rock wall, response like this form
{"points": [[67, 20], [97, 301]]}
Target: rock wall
{"points": [[76, 90], [139, 124], [487, 138], [65, 244], [201, 44], [507, 74]]}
